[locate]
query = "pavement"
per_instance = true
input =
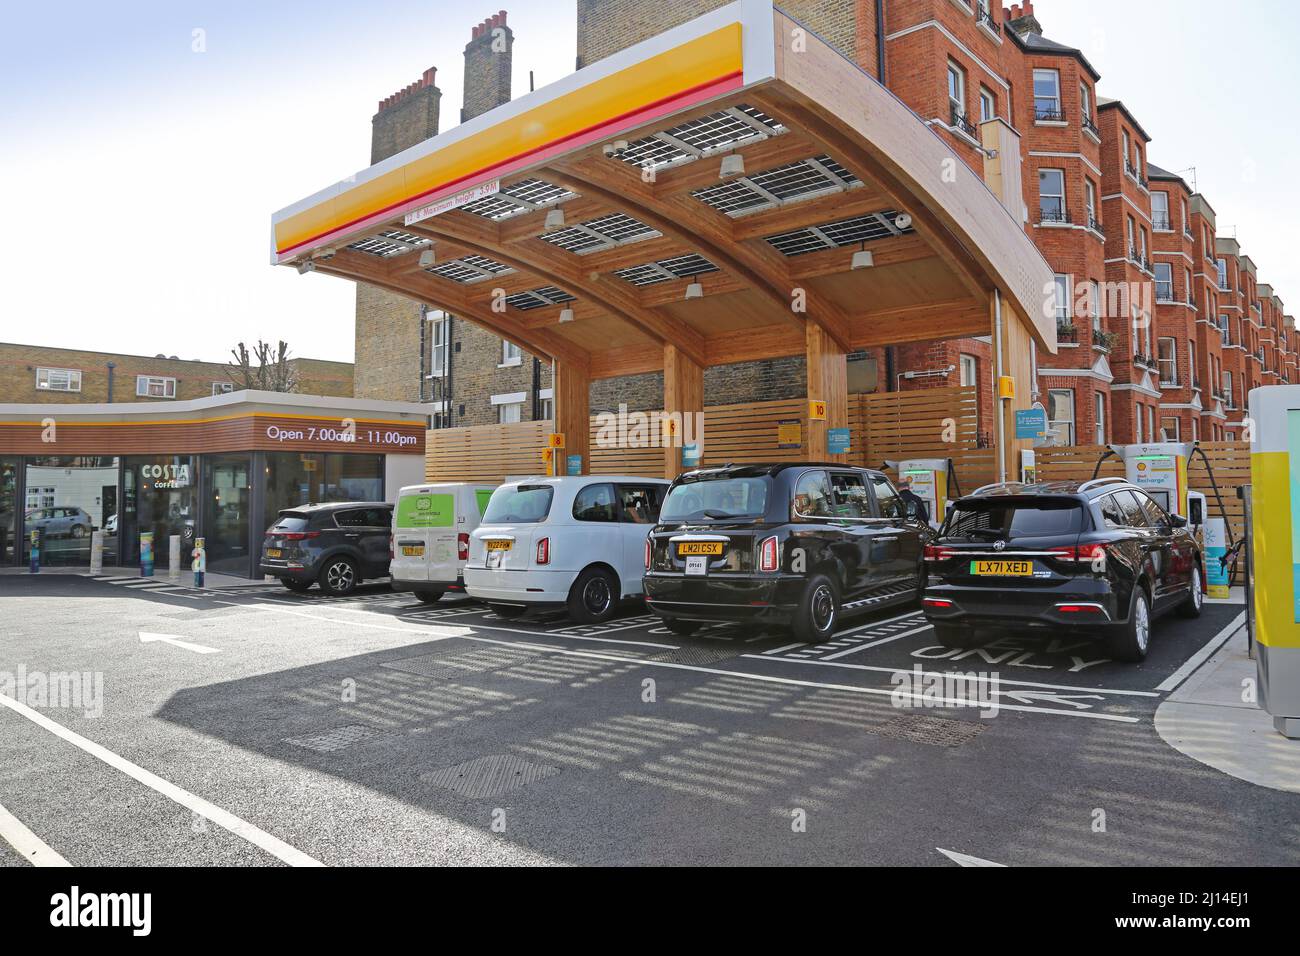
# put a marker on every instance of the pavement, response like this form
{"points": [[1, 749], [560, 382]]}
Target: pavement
{"points": [[246, 725]]}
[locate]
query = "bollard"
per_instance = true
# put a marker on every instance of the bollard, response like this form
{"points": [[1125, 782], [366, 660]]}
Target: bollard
{"points": [[200, 564], [174, 558], [146, 554], [97, 552], [34, 553]]}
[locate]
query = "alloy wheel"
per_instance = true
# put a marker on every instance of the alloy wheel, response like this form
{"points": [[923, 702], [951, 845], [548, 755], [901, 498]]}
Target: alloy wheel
{"points": [[340, 576], [1141, 622], [596, 595], [822, 607]]}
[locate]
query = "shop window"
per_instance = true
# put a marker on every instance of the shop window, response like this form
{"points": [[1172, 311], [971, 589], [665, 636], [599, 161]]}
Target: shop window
{"points": [[74, 497]]}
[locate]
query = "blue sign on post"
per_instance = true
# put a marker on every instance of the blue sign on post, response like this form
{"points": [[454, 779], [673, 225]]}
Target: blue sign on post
{"points": [[691, 455], [574, 464], [837, 441], [1031, 422]]}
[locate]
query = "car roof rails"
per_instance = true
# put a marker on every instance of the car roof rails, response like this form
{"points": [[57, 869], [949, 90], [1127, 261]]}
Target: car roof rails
{"points": [[1095, 482], [1000, 484]]}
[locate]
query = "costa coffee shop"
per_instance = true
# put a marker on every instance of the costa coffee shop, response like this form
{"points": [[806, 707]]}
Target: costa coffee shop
{"points": [[219, 468]]}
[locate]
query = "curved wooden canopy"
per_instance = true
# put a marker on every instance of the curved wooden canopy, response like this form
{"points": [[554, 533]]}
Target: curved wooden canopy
{"points": [[708, 190]]}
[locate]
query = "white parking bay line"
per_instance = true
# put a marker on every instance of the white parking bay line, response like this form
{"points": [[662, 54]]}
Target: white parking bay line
{"points": [[222, 818], [883, 640], [1201, 656], [788, 647], [29, 846]]}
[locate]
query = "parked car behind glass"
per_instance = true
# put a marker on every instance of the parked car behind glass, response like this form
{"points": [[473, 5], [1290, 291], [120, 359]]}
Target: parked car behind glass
{"points": [[338, 545]]}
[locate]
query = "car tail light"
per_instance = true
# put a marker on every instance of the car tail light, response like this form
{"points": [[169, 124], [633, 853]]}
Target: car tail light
{"points": [[462, 547], [935, 553], [294, 535], [544, 551], [768, 559], [936, 602], [1083, 552], [1081, 608], [649, 552], [390, 548]]}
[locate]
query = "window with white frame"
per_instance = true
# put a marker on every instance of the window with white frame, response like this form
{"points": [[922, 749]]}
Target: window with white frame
{"points": [[1187, 225], [1169, 428], [1187, 278], [1160, 211], [155, 386], [1061, 291], [1128, 150], [968, 369], [1137, 424], [1095, 308], [1090, 201], [1151, 421], [1060, 414], [1085, 103], [1131, 227], [1225, 332], [511, 354], [956, 93], [1051, 195], [439, 329], [1099, 419], [1164, 282], [58, 380], [1221, 266], [1227, 388], [1047, 95], [222, 388], [508, 413], [42, 497], [1167, 360], [1191, 361], [546, 404], [988, 105]]}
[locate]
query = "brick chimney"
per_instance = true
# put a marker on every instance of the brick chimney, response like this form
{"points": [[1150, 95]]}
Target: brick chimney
{"points": [[1021, 19], [487, 66], [407, 117]]}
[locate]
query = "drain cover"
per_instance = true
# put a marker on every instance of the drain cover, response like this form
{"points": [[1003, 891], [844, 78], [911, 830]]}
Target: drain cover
{"points": [[935, 731], [697, 655], [336, 739], [489, 776]]}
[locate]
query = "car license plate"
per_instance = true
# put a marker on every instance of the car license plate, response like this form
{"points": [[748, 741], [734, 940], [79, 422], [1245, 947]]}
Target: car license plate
{"points": [[412, 550], [272, 552], [697, 564], [494, 559], [498, 545], [1018, 569], [685, 548]]}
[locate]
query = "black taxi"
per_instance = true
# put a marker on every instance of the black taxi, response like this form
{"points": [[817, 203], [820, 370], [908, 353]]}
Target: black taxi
{"points": [[783, 544]]}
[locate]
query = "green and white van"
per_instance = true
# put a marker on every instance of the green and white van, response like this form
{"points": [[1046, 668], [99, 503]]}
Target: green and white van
{"points": [[431, 529]]}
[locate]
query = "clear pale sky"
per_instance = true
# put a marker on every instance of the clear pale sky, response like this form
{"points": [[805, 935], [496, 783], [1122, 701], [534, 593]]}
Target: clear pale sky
{"points": [[138, 177]]}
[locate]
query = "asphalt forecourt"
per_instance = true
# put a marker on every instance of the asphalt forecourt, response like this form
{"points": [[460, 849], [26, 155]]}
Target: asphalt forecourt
{"points": [[256, 726]]}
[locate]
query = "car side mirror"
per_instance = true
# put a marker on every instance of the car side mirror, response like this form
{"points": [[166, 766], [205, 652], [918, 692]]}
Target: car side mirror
{"points": [[1177, 521]]}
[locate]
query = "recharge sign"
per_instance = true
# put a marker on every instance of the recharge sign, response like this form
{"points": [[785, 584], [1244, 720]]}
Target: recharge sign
{"points": [[426, 511]]}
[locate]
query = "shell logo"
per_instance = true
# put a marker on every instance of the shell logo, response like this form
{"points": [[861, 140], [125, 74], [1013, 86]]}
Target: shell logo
{"points": [[1142, 466]]}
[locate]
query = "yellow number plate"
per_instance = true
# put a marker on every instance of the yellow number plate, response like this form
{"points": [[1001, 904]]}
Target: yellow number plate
{"points": [[412, 550], [1021, 569], [498, 545], [685, 548], [272, 552]]}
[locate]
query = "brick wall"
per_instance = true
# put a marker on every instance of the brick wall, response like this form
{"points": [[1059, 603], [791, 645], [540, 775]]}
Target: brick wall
{"points": [[488, 61]]}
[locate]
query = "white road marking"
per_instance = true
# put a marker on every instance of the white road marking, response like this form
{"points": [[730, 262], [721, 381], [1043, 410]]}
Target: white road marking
{"points": [[999, 680], [780, 650], [963, 859], [1201, 656], [883, 640], [863, 627], [174, 641], [222, 818], [29, 846]]}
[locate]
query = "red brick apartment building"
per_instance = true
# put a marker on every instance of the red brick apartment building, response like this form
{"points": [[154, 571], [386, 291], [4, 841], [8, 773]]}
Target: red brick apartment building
{"points": [[1162, 326]]}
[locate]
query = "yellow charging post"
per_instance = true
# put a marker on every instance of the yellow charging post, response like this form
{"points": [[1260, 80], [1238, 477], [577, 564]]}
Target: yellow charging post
{"points": [[1275, 551]]}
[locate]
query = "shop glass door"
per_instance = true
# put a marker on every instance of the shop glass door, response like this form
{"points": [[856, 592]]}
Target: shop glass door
{"points": [[8, 511], [227, 513], [159, 496]]}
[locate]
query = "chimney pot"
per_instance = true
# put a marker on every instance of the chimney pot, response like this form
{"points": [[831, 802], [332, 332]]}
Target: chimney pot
{"points": [[1029, 8]]}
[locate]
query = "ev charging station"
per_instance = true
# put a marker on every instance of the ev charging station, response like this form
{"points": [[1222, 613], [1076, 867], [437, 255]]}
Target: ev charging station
{"points": [[929, 481], [1160, 469], [1275, 554]]}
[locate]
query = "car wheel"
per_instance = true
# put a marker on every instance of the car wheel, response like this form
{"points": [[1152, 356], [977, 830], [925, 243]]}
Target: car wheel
{"points": [[818, 612], [593, 598], [430, 597], [954, 635], [1129, 642], [339, 577], [299, 586], [508, 611], [1196, 599], [684, 628], [78, 531]]}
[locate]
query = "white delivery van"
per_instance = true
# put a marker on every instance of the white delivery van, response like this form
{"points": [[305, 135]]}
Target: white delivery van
{"points": [[431, 528], [571, 543]]}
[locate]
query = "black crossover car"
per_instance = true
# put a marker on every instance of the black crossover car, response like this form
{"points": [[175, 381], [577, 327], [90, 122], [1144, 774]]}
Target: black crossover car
{"points": [[338, 545], [1098, 557], [796, 544]]}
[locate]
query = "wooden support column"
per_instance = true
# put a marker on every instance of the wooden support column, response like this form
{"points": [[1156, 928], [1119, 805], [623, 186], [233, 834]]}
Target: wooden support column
{"points": [[683, 398], [1016, 347], [828, 381], [573, 412]]}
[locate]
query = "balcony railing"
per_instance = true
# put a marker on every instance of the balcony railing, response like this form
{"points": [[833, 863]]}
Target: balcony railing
{"points": [[985, 19], [1095, 225], [1168, 380], [958, 120], [1102, 339], [1160, 223], [1196, 384], [1048, 113], [1057, 216], [1067, 331], [1090, 126]]}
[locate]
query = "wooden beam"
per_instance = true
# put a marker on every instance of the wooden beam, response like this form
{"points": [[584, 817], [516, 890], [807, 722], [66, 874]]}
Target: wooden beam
{"points": [[570, 392], [828, 381], [798, 214], [894, 251]]}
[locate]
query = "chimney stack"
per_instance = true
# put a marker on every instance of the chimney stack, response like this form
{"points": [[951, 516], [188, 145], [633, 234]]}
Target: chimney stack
{"points": [[488, 66], [1021, 19], [405, 118]]}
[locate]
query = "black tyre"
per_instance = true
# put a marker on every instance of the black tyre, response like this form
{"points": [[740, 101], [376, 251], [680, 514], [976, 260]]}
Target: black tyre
{"points": [[508, 611], [1195, 598], [294, 585], [1129, 641], [430, 596], [593, 598], [954, 635], [339, 577], [684, 628], [818, 612]]}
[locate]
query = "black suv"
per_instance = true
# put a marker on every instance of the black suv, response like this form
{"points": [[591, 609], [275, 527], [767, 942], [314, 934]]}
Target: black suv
{"points": [[795, 544], [339, 545], [1097, 557]]}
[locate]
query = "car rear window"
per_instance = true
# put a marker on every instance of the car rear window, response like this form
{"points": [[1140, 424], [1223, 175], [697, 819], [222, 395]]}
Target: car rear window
{"points": [[521, 504], [986, 520], [290, 522], [716, 499]]}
